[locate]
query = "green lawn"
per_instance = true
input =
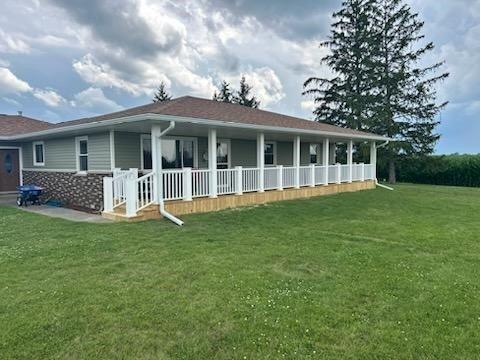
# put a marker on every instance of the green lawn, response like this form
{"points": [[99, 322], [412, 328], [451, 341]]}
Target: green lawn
{"points": [[374, 274]]}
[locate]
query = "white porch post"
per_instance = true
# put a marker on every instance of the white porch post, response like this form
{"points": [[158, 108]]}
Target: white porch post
{"points": [[212, 161], [373, 159], [108, 194], [280, 177], [362, 172], [296, 160], [339, 173], [325, 158], [187, 184], [261, 161], [239, 180], [350, 160], [157, 163], [131, 190], [312, 175]]}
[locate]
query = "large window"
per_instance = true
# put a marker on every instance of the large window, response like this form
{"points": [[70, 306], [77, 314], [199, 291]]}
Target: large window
{"points": [[223, 154], [177, 153], [38, 153], [269, 154], [314, 153], [82, 153]]}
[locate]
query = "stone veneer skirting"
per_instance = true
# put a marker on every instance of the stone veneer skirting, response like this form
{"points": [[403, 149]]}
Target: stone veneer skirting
{"points": [[72, 189]]}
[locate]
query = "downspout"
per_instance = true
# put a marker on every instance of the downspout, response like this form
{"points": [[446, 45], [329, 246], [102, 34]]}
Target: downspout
{"points": [[164, 212], [376, 180]]}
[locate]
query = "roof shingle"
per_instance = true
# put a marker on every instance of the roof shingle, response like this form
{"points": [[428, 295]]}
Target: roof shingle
{"points": [[17, 124]]}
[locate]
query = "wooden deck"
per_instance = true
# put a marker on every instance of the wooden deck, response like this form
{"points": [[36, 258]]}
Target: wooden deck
{"points": [[205, 204]]}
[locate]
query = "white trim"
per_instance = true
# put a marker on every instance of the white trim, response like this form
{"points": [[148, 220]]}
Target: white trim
{"points": [[78, 139], [187, 138], [182, 119], [74, 171], [229, 150], [274, 143], [112, 149], [34, 145], [20, 160]]}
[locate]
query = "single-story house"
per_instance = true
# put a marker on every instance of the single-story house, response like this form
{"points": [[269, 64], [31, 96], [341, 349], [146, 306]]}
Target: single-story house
{"points": [[180, 156]]}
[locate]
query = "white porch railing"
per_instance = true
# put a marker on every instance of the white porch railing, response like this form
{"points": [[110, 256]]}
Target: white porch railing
{"points": [[137, 193]]}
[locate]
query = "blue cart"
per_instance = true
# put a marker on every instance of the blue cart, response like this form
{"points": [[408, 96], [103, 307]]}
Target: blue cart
{"points": [[28, 193]]}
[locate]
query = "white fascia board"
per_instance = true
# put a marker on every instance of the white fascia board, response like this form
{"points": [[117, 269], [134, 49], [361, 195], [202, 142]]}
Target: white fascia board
{"points": [[180, 119]]}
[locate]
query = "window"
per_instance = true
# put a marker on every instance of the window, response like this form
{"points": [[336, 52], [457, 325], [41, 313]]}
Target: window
{"points": [[146, 152], [269, 154], [223, 154], [314, 153], [82, 153], [177, 153], [38, 153]]}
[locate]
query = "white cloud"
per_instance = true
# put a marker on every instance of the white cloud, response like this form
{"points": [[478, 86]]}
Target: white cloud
{"points": [[10, 84], [266, 85], [49, 97], [93, 99], [307, 104], [10, 43]]}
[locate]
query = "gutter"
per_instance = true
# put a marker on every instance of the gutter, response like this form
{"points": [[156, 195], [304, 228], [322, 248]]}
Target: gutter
{"points": [[164, 212]]}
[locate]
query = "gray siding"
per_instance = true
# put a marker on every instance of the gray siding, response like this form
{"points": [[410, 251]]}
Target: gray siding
{"points": [[60, 153], [244, 153], [99, 151], [284, 153], [127, 150]]}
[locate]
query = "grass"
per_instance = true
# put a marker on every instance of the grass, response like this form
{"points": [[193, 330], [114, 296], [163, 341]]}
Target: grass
{"points": [[374, 274]]}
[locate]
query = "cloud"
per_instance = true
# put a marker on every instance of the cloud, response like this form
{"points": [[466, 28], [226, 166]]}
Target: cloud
{"points": [[10, 84], [49, 97], [94, 100], [266, 85], [10, 43]]}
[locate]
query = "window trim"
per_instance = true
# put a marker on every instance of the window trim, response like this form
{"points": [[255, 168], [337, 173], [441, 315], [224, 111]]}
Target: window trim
{"points": [[274, 143], [319, 160], [187, 138], [34, 145], [78, 139], [229, 149]]}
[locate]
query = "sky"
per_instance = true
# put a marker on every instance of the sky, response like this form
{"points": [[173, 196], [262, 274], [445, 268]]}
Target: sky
{"points": [[65, 59]]}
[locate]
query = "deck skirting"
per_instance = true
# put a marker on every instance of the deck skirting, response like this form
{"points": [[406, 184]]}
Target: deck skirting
{"points": [[202, 205]]}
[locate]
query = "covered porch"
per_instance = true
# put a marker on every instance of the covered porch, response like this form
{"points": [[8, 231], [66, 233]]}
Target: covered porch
{"points": [[183, 163]]}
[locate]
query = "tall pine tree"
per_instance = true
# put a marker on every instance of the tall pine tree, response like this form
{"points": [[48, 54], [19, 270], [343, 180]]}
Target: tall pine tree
{"points": [[377, 83], [406, 106], [225, 94], [345, 98], [161, 94], [242, 97]]}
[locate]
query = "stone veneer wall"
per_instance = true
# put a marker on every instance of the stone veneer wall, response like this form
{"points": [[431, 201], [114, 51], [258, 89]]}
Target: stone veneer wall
{"points": [[74, 190]]}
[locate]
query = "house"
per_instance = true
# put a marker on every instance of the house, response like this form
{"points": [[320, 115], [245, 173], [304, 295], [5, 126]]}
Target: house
{"points": [[180, 156]]}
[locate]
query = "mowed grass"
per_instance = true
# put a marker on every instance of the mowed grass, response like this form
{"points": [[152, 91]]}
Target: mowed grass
{"points": [[373, 274]]}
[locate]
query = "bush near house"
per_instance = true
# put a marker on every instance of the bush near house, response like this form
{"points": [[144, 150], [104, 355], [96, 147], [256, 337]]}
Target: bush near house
{"points": [[455, 169]]}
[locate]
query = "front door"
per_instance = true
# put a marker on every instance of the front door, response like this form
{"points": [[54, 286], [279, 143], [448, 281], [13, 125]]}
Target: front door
{"points": [[9, 170]]}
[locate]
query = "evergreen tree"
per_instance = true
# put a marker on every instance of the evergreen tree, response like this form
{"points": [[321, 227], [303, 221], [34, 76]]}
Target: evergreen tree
{"points": [[345, 98], [406, 105], [225, 94], [242, 97], [161, 94], [377, 84]]}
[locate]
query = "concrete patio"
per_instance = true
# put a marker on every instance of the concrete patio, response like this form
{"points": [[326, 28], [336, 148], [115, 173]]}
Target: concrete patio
{"points": [[55, 212]]}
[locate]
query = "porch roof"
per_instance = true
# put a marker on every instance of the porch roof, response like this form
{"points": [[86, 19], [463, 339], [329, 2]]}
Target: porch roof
{"points": [[208, 112]]}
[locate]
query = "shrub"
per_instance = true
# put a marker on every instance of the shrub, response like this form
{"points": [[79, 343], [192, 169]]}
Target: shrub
{"points": [[455, 169]]}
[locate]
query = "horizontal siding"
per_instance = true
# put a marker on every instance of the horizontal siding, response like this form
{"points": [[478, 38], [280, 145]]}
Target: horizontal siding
{"points": [[99, 151], [244, 152], [127, 150]]}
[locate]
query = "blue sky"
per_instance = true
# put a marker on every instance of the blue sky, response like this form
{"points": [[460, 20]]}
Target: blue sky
{"points": [[64, 59]]}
